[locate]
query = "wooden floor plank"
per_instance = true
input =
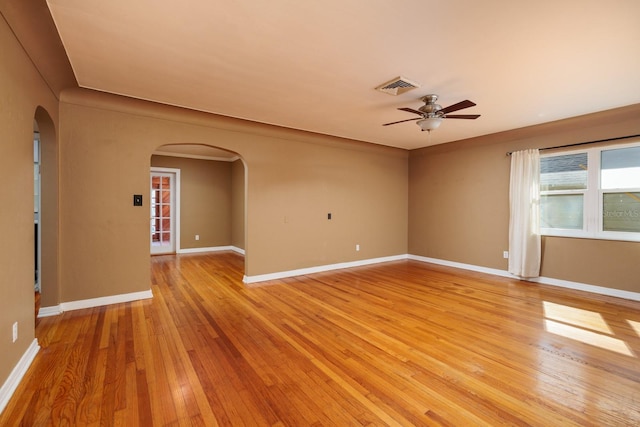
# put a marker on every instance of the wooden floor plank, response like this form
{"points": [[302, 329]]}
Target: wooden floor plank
{"points": [[400, 343]]}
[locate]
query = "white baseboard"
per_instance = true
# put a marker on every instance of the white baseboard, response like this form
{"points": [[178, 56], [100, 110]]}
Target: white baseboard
{"points": [[319, 269], [49, 311], [601, 290], [619, 293], [211, 249], [237, 249], [460, 265], [97, 302], [10, 385]]}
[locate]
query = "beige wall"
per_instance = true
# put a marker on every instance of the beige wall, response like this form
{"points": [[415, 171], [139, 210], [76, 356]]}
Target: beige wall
{"points": [[23, 92], [205, 200], [459, 210], [294, 180]]}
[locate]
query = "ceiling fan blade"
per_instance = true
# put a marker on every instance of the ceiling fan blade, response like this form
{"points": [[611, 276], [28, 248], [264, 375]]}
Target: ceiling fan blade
{"points": [[401, 121], [462, 116], [459, 106], [411, 110]]}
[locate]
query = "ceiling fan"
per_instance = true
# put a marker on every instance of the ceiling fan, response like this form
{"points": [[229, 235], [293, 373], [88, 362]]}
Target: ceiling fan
{"points": [[431, 114]]}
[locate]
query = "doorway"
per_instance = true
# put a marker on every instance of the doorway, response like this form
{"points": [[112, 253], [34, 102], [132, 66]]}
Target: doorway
{"points": [[36, 211], [164, 210], [45, 214]]}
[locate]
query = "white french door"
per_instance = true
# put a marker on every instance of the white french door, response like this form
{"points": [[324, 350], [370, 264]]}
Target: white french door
{"points": [[163, 211]]}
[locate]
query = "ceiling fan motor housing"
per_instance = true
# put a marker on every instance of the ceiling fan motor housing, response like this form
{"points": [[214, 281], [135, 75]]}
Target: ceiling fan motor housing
{"points": [[430, 108]]}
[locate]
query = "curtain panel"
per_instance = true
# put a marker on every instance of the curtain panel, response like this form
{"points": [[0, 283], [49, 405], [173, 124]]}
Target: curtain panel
{"points": [[524, 214]]}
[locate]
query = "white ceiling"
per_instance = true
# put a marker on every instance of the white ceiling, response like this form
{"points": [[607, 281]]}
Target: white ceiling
{"points": [[313, 65]]}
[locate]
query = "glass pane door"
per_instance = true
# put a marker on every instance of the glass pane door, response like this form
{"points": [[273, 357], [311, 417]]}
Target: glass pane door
{"points": [[162, 213]]}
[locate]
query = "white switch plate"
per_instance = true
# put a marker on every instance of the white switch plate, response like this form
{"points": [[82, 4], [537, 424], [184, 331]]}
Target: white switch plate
{"points": [[15, 331], [505, 254], [197, 237]]}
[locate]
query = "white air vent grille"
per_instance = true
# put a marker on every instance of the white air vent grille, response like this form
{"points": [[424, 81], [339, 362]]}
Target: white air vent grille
{"points": [[397, 86]]}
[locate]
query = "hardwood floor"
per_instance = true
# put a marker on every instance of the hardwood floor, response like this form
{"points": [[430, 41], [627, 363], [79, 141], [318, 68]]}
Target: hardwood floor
{"points": [[400, 343]]}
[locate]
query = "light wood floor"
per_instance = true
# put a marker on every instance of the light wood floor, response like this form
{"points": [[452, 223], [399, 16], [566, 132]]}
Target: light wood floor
{"points": [[400, 343]]}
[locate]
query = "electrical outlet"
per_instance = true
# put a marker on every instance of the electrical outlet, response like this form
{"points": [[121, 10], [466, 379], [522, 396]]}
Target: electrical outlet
{"points": [[357, 247], [15, 331], [197, 237], [505, 254]]}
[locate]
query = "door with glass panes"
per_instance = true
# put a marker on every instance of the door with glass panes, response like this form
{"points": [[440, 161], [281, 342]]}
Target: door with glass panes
{"points": [[162, 202]]}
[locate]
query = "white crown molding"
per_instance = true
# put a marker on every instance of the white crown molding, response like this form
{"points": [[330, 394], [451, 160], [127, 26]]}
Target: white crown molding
{"points": [[16, 375]]}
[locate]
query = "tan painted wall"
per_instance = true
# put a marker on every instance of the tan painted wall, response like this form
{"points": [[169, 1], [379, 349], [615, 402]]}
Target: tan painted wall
{"points": [[205, 200], [294, 180], [458, 209], [22, 90], [238, 204]]}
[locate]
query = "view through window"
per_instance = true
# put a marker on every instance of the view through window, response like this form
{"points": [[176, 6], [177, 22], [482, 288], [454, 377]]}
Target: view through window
{"points": [[593, 193]]}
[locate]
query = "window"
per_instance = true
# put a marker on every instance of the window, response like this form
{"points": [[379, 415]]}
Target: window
{"points": [[593, 193]]}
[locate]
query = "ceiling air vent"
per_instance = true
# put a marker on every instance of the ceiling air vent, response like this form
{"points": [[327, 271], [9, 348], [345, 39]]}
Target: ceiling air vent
{"points": [[397, 86]]}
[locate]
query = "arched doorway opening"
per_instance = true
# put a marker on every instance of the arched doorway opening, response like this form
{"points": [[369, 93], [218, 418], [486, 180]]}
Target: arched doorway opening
{"points": [[210, 204], [46, 211]]}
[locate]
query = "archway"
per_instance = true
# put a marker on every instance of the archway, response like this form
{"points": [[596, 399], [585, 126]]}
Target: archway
{"points": [[212, 216], [46, 211]]}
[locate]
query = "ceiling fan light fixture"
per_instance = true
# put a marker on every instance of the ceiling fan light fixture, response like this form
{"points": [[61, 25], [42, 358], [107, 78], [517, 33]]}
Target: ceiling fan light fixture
{"points": [[430, 123]]}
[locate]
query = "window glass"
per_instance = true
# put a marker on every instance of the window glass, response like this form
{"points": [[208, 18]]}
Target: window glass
{"points": [[620, 168], [567, 172], [621, 212], [562, 211], [592, 193]]}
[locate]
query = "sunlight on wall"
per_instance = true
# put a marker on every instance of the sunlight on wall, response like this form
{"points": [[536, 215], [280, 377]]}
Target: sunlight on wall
{"points": [[583, 325]]}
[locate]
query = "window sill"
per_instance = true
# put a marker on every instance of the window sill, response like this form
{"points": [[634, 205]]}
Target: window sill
{"points": [[579, 234]]}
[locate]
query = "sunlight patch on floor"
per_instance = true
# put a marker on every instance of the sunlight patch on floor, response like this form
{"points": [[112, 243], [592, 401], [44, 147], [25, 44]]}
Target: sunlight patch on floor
{"points": [[576, 316], [585, 326], [635, 325]]}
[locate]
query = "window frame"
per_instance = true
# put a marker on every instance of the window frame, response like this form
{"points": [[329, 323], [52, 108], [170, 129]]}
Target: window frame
{"points": [[593, 201]]}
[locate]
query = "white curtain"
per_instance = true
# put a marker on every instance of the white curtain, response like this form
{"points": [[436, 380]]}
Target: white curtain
{"points": [[524, 216]]}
